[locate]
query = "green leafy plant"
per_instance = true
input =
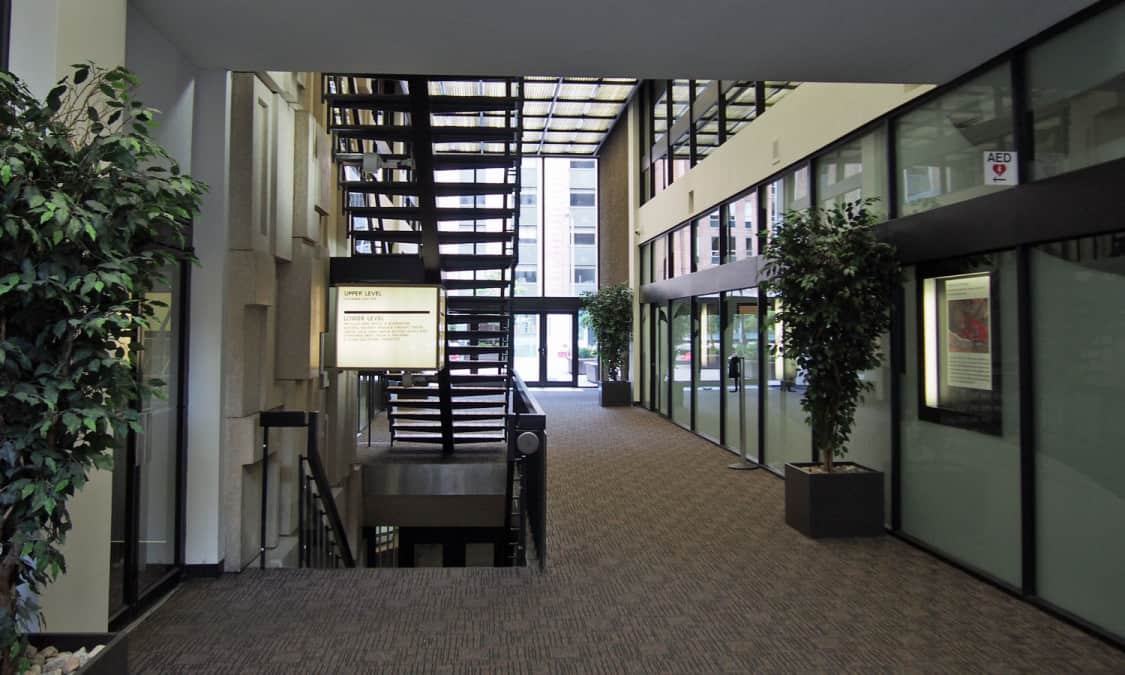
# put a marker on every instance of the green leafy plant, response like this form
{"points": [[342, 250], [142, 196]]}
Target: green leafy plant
{"points": [[609, 312], [834, 282], [93, 214]]}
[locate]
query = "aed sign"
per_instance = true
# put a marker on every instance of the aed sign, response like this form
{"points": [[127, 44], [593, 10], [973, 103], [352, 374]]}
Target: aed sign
{"points": [[1000, 168], [390, 327]]}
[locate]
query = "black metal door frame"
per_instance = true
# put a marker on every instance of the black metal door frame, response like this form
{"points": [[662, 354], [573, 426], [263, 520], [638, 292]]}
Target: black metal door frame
{"points": [[541, 377]]}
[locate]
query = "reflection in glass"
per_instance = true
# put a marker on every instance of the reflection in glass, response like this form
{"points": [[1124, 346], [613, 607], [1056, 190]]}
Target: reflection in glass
{"points": [[1079, 365], [940, 145], [742, 227], [708, 366], [855, 170], [156, 443], [681, 252], [526, 353], [660, 258], [788, 436], [1076, 85], [660, 391], [788, 193], [681, 361], [741, 335], [644, 377], [707, 241]]}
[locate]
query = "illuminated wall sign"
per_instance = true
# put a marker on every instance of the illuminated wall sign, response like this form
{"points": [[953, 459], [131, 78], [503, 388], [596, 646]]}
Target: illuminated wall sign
{"points": [[390, 327]]}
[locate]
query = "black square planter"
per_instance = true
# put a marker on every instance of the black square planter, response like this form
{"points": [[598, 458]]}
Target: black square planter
{"points": [[112, 660], [616, 394], [836, 504]]}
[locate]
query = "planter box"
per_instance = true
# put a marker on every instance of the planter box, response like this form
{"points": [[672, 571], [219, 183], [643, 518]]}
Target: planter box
{"points": [[834, 504], [616, 394], [112, 660]]}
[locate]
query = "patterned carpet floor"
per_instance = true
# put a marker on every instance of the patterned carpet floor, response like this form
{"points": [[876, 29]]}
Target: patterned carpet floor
{"points": [[661, 561]]}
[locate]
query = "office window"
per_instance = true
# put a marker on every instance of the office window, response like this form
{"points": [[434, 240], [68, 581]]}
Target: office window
{"points": [[1076, 92], [581, 198], [646, 263], [584, 239], [940, 146], [855, 170]]}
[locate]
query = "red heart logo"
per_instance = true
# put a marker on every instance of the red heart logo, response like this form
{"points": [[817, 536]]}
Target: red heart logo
{"points": [[999, 169]]}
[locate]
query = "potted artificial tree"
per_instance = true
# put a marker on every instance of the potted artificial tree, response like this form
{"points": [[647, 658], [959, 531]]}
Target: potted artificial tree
{"points": [[834, 283], [93, 214], [610, 313]]}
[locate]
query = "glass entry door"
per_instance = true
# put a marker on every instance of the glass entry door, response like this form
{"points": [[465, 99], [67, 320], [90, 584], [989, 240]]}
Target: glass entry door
{"points": [[545, 353]]}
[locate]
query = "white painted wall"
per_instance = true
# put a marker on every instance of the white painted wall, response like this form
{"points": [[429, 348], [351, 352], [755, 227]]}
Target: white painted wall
{"points": [[211, 164], [167, 83], [47, 37], [34, 42]]}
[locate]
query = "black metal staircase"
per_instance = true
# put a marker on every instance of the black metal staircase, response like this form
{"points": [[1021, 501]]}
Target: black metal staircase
{"points": [[429, 172]]}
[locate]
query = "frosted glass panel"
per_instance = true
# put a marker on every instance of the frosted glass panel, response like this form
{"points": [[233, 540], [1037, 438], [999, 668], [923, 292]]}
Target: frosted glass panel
{"points": [[960, 488], [788, 436], [870, 443], [1078, 305]]}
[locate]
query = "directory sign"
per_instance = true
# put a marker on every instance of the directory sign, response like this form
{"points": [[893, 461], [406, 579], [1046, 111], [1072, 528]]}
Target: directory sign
{"points": [[390, 327]]}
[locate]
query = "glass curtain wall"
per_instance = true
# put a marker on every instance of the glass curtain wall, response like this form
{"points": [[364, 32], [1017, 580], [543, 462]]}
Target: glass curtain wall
{"points": [[1078, 319], [708, 366], [741, 338], [1076, 92], [558, 215], [682, 359], [939, 146]]}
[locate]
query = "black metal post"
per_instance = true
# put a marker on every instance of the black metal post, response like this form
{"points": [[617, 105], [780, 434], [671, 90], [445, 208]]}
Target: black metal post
{"points": [[301, 511], [265, 480], [1028, 541]]}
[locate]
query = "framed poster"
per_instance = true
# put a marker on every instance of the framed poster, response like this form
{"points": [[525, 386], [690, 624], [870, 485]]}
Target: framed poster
{"points": [[959, 350]]}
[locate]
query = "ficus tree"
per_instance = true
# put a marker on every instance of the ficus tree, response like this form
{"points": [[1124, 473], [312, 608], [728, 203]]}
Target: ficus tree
{"points": [[834, 282], [93, 214], [609, 312]]}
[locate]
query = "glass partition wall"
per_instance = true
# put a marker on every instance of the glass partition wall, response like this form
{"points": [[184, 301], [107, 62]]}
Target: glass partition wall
{"points": [[993, 416]]}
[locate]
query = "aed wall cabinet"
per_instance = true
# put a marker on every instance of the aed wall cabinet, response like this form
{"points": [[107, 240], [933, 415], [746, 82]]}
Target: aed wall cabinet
{"points": [[400, 327]]}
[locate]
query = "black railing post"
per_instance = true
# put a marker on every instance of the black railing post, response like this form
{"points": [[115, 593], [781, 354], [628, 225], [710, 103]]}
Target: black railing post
{"points": [[300, 511], [265, 481]]}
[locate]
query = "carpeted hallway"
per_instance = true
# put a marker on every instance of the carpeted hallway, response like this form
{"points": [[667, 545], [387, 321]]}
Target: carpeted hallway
{"points": [[661, 560]]}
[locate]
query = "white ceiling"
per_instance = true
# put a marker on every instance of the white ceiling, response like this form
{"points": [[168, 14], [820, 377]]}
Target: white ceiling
{"points": [[794, 40]]}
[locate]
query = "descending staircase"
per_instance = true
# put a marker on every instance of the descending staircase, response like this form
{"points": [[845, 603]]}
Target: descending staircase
{"points": [[429, 171]]}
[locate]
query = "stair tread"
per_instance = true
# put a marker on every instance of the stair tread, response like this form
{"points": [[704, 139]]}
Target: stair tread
{"points": [[441, 212], [456, 403]]}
